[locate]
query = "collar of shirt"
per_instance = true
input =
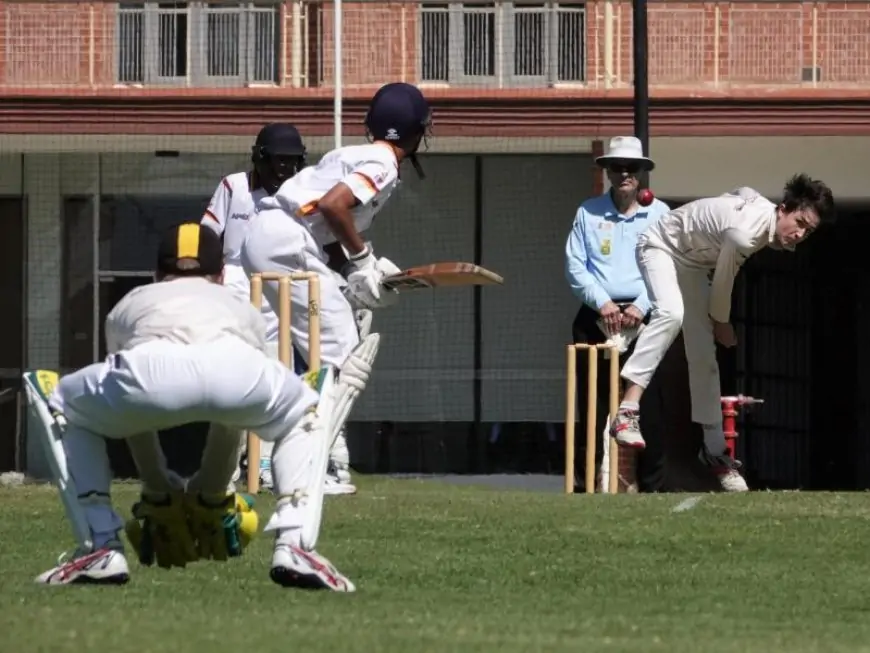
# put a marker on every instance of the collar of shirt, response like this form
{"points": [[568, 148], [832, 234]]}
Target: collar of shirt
{"points": [[609, 210], [771, 231]]}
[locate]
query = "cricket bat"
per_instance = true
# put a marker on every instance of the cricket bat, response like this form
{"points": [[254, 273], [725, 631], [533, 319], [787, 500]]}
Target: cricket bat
{"points": [[436, 275]]}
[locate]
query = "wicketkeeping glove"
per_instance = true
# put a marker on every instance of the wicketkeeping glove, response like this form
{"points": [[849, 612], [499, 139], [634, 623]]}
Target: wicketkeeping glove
{"points": [[222, 526], [159, 532]]}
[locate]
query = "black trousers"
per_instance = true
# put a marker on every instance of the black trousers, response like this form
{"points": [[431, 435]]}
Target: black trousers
{"points": [[651, 461]]}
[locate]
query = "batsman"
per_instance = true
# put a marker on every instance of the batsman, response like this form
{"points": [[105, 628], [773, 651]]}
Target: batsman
{"points": [[314, 224], [186, 349]]}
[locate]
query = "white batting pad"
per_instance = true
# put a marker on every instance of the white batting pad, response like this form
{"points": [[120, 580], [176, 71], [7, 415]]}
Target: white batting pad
{"points": [[38, 384], [313, 514], [299, 464], [352, 380]]}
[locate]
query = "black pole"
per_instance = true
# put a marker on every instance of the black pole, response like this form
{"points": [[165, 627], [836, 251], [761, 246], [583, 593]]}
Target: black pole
{"points": [[641, 80]]}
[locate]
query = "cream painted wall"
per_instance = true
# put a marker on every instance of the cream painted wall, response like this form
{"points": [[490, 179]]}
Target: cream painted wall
{"points": [[694, 167]]}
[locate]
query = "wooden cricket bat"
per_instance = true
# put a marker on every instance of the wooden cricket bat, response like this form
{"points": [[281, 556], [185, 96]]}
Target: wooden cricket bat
{"points": [[438, 275]]}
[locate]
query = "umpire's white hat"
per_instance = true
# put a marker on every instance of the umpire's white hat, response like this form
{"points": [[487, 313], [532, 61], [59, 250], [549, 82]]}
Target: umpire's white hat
{"points": [[625, 149]]}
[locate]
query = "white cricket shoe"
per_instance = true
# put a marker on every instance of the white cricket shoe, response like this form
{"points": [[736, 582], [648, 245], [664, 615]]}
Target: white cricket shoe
{"points": [[626, 429], [726, 470], [106, 566], [338, 482], [266, 482], [294, 567]]}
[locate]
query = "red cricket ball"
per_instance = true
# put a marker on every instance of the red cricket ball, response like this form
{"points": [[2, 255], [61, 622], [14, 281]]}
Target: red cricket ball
{"points": [[645, 197]]}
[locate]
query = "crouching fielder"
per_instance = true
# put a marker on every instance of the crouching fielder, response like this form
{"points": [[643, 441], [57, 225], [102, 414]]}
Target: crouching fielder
{"points": [[321, 212], [185, 349], [676, 256]]}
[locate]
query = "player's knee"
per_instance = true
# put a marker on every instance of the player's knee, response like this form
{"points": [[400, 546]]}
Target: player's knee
{"points": [[670, 317]]}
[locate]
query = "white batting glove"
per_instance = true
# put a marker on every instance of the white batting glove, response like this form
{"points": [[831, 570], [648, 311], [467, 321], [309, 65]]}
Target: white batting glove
{"points": [[387, 268], [364, 281]]}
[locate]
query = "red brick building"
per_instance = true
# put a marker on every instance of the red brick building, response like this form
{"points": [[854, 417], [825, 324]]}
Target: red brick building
{"points": [[498, 69]]}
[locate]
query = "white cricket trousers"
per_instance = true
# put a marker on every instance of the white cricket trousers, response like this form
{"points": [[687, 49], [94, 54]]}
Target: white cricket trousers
{"points": [[680, 299], [160, 385], [236, 280], [278, 242]]}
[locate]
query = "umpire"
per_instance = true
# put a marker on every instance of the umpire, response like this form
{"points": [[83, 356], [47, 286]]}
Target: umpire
{"points": [[602, 271]]}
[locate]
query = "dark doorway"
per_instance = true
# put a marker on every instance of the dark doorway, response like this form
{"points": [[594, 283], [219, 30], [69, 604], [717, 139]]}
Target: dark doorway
{"points": [[13, 246]]}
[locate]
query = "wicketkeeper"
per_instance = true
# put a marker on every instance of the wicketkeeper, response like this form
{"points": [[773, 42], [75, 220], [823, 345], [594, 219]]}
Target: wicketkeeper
{"points": [[187, 349]]}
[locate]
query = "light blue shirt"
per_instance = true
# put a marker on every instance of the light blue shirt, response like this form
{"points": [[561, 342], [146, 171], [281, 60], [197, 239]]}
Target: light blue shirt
{"points": [[600, 262]]}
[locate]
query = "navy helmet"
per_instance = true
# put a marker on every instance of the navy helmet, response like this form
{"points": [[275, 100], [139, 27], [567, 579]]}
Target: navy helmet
{"points": [[399, 114], [277, 154]]}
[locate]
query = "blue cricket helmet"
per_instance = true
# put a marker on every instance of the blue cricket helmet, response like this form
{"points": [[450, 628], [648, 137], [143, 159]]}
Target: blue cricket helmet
{"points": [[399, 114]]}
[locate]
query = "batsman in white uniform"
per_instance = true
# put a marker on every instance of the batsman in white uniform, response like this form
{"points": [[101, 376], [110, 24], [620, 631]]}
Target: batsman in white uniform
{"points": [[677, 256], [278, 153], [313, 224], [187, 349]]}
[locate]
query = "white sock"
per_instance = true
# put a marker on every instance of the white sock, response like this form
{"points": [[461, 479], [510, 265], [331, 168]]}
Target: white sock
{"points": [[714, 438], [266, 455], [629, 405]]}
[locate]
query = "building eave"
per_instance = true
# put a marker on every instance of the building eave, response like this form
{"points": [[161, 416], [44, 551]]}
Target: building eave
{"points": [[483, 114]]}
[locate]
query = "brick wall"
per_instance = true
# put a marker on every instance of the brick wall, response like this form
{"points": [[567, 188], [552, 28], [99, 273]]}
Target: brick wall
{"points": [[692, 44]]}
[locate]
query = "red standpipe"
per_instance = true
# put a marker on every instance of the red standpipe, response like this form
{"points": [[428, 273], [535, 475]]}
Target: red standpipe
{"points": [[730, 411]]}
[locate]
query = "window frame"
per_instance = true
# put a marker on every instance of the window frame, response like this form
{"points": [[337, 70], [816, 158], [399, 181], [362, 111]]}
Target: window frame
{"points": [[197, 55], [504, 44]]}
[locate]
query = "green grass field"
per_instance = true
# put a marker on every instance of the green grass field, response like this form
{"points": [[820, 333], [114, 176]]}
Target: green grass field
{"points": [[444, 568]]}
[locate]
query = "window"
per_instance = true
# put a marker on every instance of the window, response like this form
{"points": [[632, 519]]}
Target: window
{"points": [[198, 43], [518, 44]]}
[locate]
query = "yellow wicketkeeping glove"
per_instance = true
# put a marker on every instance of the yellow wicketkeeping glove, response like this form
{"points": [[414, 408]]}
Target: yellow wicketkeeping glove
{"points": [[222, 526], [159, 532]]}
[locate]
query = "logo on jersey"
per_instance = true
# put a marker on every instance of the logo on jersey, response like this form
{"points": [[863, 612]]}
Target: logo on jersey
{"points": [[240, 216]]}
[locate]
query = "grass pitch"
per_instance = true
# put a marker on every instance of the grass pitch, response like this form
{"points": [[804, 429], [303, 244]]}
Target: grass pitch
{"points": [[444, 568]]}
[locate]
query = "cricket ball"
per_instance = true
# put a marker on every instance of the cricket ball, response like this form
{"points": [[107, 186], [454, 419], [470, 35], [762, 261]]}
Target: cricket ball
{"points": [[645, 197]]}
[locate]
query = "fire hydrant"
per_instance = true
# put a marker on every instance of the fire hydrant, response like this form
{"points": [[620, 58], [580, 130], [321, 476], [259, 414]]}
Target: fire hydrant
{"points": [[729, 419]]}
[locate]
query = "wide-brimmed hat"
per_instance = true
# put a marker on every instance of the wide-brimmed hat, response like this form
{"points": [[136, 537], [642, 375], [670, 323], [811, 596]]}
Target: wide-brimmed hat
{"points": [[625, 149]]}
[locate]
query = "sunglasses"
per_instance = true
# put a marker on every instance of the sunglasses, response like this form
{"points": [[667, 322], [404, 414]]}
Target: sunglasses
{"points": [[620, 168]]}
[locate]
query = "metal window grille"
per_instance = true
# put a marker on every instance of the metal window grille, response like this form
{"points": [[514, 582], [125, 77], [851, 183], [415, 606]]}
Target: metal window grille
{"points": [[511, 44], [195, 42]]}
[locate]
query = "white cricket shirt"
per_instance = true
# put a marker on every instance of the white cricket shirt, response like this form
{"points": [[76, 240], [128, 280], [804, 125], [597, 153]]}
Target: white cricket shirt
{"points": [[717, 233], [230, 210], [370, 171], [184, 310]]}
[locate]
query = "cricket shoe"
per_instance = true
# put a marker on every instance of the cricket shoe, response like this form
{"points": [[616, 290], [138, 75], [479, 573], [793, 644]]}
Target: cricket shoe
{"points": [[726, 470], [294, 567], [338, 482], [266, 482], [105, 566], [626, 429]]}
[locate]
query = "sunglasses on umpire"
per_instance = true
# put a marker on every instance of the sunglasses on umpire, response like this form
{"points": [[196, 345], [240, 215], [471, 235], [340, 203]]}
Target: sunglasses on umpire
{"points": [[628, 168]]}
